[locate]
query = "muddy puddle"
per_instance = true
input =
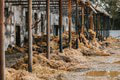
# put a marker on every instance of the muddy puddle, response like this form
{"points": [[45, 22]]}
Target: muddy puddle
{"points": [[111, 74], [117, 62]]}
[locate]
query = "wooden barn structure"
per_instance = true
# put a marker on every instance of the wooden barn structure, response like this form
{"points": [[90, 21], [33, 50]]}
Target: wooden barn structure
{"points": [[85, 13]]}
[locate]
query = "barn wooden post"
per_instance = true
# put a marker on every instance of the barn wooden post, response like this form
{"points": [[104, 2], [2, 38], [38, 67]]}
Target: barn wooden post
{"points": [[60, 25], [76, 25], [108, 26], [30, 35], [69, 16], [48, 28], [87, 18], [104, 23], [98, 25], [101, 26], [91, 20], [2, 45], [82, 28]]}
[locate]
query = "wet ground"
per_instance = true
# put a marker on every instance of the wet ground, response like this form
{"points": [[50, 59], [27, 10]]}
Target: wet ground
{"points": [[100, 67]]}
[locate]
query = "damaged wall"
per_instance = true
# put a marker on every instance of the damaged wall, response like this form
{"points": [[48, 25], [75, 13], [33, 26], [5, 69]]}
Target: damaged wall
{"points": [[13, 20], [16, 24]]}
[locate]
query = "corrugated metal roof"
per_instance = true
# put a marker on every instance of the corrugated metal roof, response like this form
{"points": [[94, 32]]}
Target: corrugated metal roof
{"points": [[101, 10]]}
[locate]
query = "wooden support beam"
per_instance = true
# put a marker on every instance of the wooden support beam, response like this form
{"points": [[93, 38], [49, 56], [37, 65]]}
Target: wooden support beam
{"points": [[76, 25], [108, 27], [79, 22], [2, 39], [96, 20], [30, 61], [101, 27], [69, 17], [60, 25], [98, 23], [48, 28], [91, 20], [87, 17], [34, 3], [40, 1], [83, 16], [104, 27]]}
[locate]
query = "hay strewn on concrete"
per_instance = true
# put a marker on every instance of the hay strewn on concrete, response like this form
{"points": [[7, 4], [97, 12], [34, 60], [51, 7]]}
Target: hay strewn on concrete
{"points": [[60, 61], [69, 61]]}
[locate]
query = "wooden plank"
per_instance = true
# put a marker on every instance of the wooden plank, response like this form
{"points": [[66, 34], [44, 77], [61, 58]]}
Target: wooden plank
{"points": [[30, 61], [48, 28], [60, 25], [2, 39], [69, 17]]}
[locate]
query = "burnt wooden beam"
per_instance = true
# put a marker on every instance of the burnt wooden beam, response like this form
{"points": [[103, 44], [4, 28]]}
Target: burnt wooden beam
{"points": [[30, 60], [2, 39], [48, 28]]}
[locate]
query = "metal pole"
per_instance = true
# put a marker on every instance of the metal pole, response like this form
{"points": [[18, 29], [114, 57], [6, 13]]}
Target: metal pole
{"points": [[2, 48], [30, 35], [69, 16], [76, 24], [48, 28], [60, 25]]}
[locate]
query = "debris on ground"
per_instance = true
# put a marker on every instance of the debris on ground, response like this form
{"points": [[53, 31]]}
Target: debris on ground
{"points": [[71, 60], [12, 74], [60, 61]]}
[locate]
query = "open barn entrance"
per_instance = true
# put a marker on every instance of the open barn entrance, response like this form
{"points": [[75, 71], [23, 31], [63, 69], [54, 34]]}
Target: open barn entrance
{"points": [[18, 35], [56, 29]]}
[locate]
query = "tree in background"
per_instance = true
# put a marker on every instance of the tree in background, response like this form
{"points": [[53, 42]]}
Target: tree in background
{"points": [[113, 8]]}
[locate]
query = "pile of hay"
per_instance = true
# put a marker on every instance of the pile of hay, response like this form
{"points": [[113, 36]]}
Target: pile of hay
{"points": [[94, 52], [93, 41], [69, 60], [12, 74], [60, 61], [39, 73]]}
